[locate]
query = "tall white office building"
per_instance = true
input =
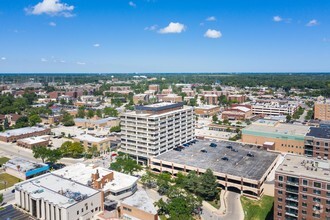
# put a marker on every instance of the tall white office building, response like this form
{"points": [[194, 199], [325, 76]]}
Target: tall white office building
{"points": [[154, 129]]}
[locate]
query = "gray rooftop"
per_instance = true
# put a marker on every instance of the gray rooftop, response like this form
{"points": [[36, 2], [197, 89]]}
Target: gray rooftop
{"points": [[297, 165], [141, 200], [239, 164], [21, 131]]}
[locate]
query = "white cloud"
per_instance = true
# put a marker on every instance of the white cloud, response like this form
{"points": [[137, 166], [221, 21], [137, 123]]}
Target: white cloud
{"points": [[277, 18], [173, 28], [201, 24], [43, 60], [312, 22], [151, 28], [62, 61], [51, 7], [96, 45], [132, 4], [53, 24], [3, 58], [212, 18], [326, 39], [81, 63], [212, 34]]}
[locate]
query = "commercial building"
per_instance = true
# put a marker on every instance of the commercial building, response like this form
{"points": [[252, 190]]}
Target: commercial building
{"points": [[237, 113], [138, 207], [171, 98], [302, 189], [140, 98], [24, 169], [39, 141], [317, 142], [52, 197], [322, 110], [115, 185], [237, 167], [154, 129], [288, 138], [20, 133], [205, 111], [274, 107], [97, 123], [102, 143]]}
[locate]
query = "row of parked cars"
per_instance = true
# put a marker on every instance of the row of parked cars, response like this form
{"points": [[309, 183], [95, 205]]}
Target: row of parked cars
{"points": [[183, 146]]}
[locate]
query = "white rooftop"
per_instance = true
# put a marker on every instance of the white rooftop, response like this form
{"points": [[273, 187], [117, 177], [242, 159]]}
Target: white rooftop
{"points": [[35, 140], [90, 138], [82, 173], [57, 190], [141, 200], [21, 131], [22, 165]]}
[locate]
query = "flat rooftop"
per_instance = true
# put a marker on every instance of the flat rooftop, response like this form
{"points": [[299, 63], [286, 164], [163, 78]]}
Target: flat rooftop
{"points": [[82, 173], [22, 165], [297, 165], [56, 189], [277, 128], [207, 107], [90, 138], [21, 131], [141, 200], [100, 121], [239, 164], [322, 132], [35, 140]]}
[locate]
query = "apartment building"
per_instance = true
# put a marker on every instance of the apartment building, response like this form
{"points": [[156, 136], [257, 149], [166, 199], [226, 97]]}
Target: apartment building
{"points": [[236, 98], [211, 99], [274, 107], [154, 87], [154, 129], [322, 110], [317, 142], [302, 189]]}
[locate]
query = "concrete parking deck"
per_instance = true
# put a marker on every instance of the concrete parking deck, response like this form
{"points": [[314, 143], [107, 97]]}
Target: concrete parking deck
{"points": [[238, 164]]}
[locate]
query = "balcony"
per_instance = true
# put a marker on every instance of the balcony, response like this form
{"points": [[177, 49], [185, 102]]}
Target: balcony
{"points": [[292, 198], [292, 189], [294, 183]]}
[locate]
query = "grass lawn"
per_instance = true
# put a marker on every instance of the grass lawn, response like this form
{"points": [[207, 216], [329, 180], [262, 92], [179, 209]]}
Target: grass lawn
{"points": [[11, 180], [258, 209], [3, 160]]}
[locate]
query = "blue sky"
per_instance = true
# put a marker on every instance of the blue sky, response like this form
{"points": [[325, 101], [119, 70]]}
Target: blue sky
{"points": [[164, 36]]}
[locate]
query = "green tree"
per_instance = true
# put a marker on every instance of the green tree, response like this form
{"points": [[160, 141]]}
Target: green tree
{"points": [[34, 119], [90, 113], [67, 119], [1, 198], [215, 118], [207, 188], [115, 129], [192, 181], [65, 148], [288, 118], [81, 112], [40, 152], [126, 165], [22, 122], [112, 112], [54, 155], [62, 102], [149, 180], [99, 113], [6, 124], [93, 150], [76, 149]]}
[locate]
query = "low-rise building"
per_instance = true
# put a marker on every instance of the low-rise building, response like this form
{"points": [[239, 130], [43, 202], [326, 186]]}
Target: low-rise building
{"points": [[289, 138], [237, 113], [30, 142], [103, 143], [24, 169], [140, 98], [138, 207], [115, 185], [317, 142], [97, 123], [236, 98], [154, 87], [54, 197], [171, 98], [205, 111], [20, 133], [211, 99], [274, 107], [302, 189]]}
